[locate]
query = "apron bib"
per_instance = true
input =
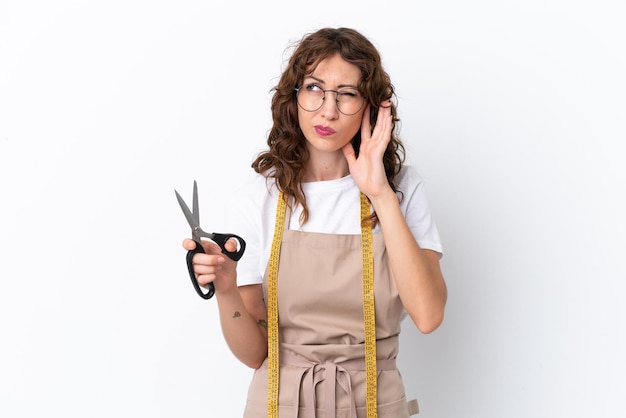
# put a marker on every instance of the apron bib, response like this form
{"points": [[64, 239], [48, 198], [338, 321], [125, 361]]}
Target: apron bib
{"points": [[321, 335]]}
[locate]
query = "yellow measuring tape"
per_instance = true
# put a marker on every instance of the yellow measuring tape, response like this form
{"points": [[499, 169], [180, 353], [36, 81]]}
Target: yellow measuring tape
{"points": [[272, 310], [369, 316]]}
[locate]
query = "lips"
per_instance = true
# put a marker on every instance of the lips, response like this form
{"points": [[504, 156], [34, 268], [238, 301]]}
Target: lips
{"points": [[324, 130]]}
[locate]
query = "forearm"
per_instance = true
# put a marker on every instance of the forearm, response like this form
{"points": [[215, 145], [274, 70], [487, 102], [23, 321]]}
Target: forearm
{"points": [[417, 273], [244, 332]]}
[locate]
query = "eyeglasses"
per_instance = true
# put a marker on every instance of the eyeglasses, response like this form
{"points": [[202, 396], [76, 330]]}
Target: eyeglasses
{"points": [[311, 97]]}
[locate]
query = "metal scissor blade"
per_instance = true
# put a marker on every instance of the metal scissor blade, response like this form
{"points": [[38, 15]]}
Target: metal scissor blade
{"points": [[196, 211], [190, 217]]}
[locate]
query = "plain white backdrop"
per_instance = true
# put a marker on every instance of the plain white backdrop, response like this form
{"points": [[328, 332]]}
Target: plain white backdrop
{"points": [[514, 112]]}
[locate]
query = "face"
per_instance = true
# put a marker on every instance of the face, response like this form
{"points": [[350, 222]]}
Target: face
{"points": [[326, 129]]}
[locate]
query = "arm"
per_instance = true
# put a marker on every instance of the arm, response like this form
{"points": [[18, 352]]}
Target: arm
{"points": [[243, 317], [242, 311], [416, 271]]}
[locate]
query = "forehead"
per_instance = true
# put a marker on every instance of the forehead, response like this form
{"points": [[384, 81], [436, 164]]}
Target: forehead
{"points": [[335, 69]]}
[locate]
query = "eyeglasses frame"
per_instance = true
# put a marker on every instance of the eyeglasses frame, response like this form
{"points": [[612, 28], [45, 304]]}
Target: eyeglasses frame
{"points": [[297, 90]]}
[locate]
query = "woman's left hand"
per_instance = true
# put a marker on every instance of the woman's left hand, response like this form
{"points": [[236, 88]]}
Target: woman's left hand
{"points": [[368, 170]]}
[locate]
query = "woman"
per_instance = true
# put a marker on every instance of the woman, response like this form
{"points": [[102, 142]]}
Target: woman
{"points": [[333, 203]]}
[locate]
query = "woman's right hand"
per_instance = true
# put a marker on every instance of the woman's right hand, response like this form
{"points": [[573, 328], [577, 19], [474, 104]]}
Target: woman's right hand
{"points": [[213, 265]]}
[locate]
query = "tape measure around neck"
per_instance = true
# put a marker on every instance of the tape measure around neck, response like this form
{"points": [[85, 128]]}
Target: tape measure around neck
{"points": [[272, 310], [369, 317]]}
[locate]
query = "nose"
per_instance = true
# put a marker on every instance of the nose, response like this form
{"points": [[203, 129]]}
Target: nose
{"points": [[329, 105]]}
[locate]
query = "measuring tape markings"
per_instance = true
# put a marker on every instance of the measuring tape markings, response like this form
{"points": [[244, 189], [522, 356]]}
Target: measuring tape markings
{"points": [[272, 311], [369, 316]]}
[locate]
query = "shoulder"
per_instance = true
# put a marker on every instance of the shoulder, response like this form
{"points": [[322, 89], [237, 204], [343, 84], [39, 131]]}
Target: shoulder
{"points": [[409, 178], [254, 189], [252, 199], [414, 202]]}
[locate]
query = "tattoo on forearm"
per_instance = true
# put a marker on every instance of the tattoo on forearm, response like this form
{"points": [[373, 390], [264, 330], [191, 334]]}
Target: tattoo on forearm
{"points": [[260, 322]]}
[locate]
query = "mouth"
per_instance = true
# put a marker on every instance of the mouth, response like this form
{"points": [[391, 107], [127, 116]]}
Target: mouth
{"points": [[324, 130]]}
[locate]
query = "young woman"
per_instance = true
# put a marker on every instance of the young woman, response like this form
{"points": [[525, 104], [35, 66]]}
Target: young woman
{"points": [[341, 245]]}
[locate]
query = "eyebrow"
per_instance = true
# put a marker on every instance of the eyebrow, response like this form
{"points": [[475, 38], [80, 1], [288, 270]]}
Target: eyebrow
{"points": [[319, 80]]}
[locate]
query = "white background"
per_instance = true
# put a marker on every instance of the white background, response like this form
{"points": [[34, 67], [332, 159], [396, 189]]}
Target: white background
{"points": [[513, 111]]}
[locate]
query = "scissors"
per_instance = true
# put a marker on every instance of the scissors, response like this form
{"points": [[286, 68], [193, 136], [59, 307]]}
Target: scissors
{"points": [[197, 233]]}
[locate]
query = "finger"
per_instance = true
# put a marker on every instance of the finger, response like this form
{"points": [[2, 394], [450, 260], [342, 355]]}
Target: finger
{"points": [[206, 260], [231, 245], [383, 119], [206, 285], [189, 244], [204, 280], [348, 152], [366, 126], [384, 125], [204, 270], [210, 247]]}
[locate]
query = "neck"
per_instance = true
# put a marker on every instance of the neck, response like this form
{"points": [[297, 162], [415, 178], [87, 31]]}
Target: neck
{"points": [[323, 169]]}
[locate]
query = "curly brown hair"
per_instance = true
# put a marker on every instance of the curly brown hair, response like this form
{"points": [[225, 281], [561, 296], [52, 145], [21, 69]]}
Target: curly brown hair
{"points": [[287, 156]]}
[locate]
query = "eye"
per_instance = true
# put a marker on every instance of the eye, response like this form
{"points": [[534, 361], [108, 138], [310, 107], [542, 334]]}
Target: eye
{"points": [[349, 93], [312, 87]]}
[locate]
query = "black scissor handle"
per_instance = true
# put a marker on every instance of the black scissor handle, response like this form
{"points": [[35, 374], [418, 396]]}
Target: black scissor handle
{"points": [[221, 239], [211, 291]]}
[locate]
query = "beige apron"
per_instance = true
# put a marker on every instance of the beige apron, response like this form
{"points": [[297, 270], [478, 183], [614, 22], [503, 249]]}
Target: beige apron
{"points": [[320, 307]]}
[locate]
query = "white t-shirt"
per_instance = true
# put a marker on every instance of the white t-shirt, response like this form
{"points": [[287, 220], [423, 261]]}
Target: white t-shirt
{"points": [[334, 208]]}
